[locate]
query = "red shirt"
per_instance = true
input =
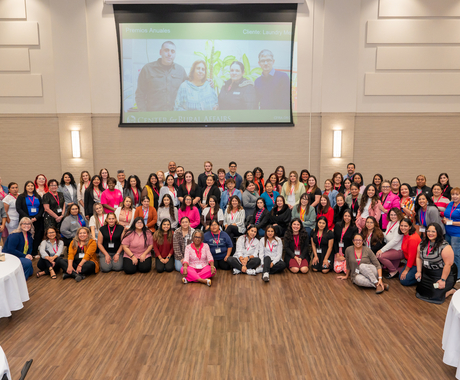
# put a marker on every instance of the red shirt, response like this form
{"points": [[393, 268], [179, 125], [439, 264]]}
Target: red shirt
{"points": [[165, 249], [409, 247], [330, 218]]}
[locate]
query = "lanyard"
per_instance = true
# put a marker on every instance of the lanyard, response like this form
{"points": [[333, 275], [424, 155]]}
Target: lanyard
{"points": [[272, 197], [198, 252], [319, 239], [270, 246], [222, 185], [111, 232], [127, 215], [423, 217], [233, 214], [353, 202], [296, 242], [444, 191], [248, 247], [356, 257], [32, 200], [259, 213], [136, 194], [452, 211], [82, 248], [302, 214], [98, 194], [79, 221], [206, 192], [55, 249], [214, 238], [146, 213], [428, 249], [173, 192], [101, 222], [156, 191], [337, 187], [231, 194], [343, 233], [292, 190], [368, 240], [188, 190], [389, 229], [56, 198], [211, 214], [104, 185]]}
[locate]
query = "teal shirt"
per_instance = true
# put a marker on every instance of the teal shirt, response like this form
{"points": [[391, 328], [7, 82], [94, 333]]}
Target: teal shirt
{"points": [[194, 98]]}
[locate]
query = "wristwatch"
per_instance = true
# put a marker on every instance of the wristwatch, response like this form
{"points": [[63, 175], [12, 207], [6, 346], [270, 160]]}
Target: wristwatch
{"points": [[443, 280]]}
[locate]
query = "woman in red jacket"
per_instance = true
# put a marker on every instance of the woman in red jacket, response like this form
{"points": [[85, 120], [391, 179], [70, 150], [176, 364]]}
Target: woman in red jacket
{"points": [[325, 209], [410, 243]]}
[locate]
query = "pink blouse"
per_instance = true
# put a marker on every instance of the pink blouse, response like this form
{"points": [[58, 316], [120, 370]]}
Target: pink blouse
{"points": [[136, 244], [192, 259], [111, 198]]}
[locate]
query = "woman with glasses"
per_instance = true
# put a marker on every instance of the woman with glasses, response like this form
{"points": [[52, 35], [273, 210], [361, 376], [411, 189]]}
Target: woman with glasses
{"points": [[363, 267], [388, 201]]}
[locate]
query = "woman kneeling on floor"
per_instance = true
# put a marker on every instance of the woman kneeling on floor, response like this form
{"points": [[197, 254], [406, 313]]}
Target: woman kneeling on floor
{"points": [[50, 251], [363, 267], [245, 258], [198, 264]]}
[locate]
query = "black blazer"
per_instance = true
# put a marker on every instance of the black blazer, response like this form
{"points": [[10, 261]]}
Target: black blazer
{"points": [[289, 250], [214, 190], [347, 237], [282, 218], [338, 212], [202, 180], [194, 192], [23, 211], [264, 219], [88, 201]]}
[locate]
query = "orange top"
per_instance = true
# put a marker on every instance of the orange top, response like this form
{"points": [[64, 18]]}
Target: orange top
{"points": [[151, 219], [90, 253]]}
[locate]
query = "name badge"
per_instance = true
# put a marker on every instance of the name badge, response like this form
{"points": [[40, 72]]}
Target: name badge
{"points": [[115, 207], [33, 209], [426, 263], [354, 214], [357, 271], [111, 245], [319, 250], [422, 229], [81, 255], [203, 201], [236, 93], [218, 250], [297, 252], [59, 210], [341, 245], [73, 222], [449, 222], [198, 266]]}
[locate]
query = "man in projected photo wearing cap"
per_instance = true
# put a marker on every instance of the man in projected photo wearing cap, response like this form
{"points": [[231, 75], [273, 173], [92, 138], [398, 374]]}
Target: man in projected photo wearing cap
{"points": [[159, 81], [272, 86]]}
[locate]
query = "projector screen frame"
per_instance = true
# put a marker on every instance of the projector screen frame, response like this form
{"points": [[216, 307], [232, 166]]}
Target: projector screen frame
{"points": [[199, 13]]}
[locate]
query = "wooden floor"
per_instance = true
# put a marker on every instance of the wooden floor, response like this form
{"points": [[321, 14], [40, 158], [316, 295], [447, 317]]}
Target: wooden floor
{"points": [[151, 326]]}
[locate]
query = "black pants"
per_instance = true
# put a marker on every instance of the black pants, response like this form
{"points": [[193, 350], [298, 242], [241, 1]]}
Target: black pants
{"points": [[168, 267], [38, 235], [87, 268], [235, 263], [142, 267], [221, 264], [233, 232], [278, 267], [279, 231], [45, 265], [66, 241]]}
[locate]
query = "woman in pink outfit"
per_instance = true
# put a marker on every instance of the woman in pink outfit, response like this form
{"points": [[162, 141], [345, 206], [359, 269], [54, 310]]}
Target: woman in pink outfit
{"points": [[388, 200], [190, 211], [198, 265], [368, 206]]}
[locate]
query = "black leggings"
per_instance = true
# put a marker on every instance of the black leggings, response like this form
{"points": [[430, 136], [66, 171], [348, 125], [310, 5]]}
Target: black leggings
{"points": [[142, 267], [252, 263], [233, 232], [222, 264], [278, 267], [38, 235], [87, 268], [45, 265], [168, 267], [66, 241]]}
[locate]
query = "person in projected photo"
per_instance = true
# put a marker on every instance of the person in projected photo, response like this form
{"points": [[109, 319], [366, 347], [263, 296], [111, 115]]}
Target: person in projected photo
{"points": [[159, 81], [272, 86], [238, 93], [196, 93]]}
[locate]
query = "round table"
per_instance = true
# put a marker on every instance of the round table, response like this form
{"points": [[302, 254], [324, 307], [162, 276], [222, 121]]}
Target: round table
{"points": [[4, 369], [13, 287]]}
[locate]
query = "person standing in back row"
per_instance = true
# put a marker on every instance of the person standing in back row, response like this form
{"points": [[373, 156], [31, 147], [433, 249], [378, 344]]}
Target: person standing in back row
{"points": [[207, 172], [273, 86], [159, 81]]}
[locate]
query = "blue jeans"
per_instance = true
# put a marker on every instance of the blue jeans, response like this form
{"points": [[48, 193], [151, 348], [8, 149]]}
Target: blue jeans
{"points": [[454, 241], [177, 265], [308, 229], [410, 277]]}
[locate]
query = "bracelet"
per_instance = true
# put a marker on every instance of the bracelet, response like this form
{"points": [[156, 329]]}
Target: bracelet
{"points": [[443, 280], [380, 278]]}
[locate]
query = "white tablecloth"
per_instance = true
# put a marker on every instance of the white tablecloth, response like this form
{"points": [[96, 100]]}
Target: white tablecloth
{"points": [[451, 335], [13, 287], [4, 369]]}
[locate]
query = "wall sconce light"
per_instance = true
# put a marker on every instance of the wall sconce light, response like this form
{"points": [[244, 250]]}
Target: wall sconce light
{"points": [[337, 149], [76, 153]]}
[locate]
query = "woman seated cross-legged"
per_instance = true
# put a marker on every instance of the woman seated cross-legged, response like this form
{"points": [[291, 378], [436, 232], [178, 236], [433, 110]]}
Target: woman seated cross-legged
{"points": [[270, 253], [245, 258], [182, 238], [296, 247], [234, 218], [137, 246], [220, 245], [198, 264], [109, 243], [51, 249], [82, 259], [363, 267], [163, 247]]}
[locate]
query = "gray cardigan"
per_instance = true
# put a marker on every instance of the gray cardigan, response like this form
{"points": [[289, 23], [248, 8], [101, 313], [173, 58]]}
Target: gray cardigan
{"points": [[349, 199], [69, 226], [68, 198], [249, 202], [432, 216]]}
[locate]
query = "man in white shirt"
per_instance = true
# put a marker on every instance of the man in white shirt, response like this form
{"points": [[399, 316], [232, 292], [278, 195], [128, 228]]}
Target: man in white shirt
{"points": [[172, 167], [121, 180]]}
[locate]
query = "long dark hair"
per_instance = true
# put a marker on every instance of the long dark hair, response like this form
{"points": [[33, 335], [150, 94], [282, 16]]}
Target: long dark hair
{"points": [[230, 207], [216, 204], [138, 183], [157, 185], [284, 178], [35, 190], [72, 180], [45, 235], [439, 237], [429, 202], [377, 234], [360, 176], [349, 212], [448, 181], [307, 207], [265, 235], [171, 206], [193, 182], [365, 197], [326, 229], [411, 226], [249, 227], [183, 206], [158, 235], [289, 234], [275, 207], [324, 209], [145, 230], [91, 185]]}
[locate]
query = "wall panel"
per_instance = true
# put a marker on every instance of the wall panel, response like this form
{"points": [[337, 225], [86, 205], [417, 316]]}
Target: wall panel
{"points": [[13, 9], [21, 85], [18, 33], [14, 59], [419, 8], [418, 58]]}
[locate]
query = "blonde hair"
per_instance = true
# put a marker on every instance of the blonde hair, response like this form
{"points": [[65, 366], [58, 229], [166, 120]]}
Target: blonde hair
{"points": [[22, 221], [76, 240], [288, 182]]}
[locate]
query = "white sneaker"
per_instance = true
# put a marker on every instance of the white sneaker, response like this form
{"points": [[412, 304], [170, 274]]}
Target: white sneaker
{"points": [[259, 270], [251, 272], [208, 282], [184, 280], [236, 271], [266, 277]]}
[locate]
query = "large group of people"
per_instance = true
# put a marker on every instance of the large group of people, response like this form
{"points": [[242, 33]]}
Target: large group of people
{"points": [[250, 224]]}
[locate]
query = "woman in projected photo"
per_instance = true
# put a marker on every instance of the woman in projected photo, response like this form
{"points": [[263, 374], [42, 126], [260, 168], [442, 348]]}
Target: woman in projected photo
{"points": [[238, 93], [196, 93]]}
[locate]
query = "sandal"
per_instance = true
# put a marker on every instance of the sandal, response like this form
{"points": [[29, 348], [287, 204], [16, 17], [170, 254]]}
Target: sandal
{"points": [[40, 274], [380, 289], [386, 286], [208, 282], [52, 274]]}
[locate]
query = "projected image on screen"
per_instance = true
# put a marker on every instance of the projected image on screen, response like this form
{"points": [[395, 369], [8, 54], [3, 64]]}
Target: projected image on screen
{"points": [[206, 73]]}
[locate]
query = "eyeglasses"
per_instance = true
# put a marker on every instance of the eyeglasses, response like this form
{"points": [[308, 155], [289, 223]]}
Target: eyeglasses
{"points": [[266, 61], [385, 187], [197, 237]]}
